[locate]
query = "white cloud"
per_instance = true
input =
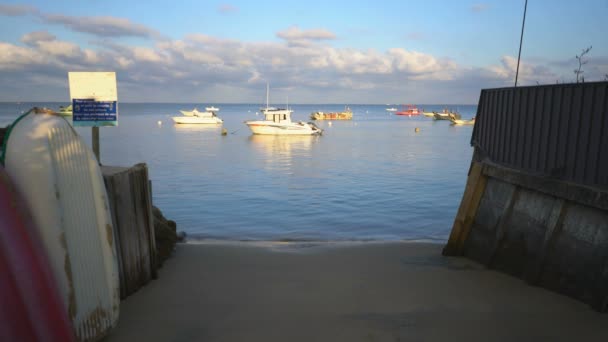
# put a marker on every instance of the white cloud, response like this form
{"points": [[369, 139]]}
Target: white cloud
{"points": [[17, 10], [14, 57], [528, 73], [227, 9], [103, 26], [297, 37], [37, 36], [180, 70]]}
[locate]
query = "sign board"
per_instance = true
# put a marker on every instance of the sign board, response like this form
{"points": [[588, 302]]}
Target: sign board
{"points": [[94, 98]]}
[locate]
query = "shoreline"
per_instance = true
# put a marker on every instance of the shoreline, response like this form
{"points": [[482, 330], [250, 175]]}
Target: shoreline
{"points": [[387, 291]]}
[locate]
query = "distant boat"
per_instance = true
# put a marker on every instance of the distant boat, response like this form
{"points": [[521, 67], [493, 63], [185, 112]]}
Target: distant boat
{"points": [[392, 109], [65, 110], [463, 122], [277, 121], [446, 115], [408, 110], [347, 114], [193, 112], [196, 117], [429, 114], [212, 109]]}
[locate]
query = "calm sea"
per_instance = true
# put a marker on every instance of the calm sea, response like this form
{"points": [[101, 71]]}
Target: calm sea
{"points": [[372, 178]]}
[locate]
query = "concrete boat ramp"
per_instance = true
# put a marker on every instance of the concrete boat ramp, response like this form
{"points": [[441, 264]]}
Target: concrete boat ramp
{"points": [[345, 292]]}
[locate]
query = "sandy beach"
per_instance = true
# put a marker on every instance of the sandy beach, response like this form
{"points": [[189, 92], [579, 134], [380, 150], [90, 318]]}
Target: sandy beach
{"points": [[344, 292]]}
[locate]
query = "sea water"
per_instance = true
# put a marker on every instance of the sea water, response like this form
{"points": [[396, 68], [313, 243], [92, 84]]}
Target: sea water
{"points": [[370, 178]]}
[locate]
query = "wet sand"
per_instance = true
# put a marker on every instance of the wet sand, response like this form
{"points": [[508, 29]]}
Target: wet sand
{"points": [[344, 292]]}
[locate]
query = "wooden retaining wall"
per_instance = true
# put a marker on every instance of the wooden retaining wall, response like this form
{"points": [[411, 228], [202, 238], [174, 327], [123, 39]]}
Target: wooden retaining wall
{"points": [[129, 194]]}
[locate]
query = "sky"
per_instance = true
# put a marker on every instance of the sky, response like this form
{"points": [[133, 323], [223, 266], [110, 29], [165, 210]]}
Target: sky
{"points": [[331, 51]]}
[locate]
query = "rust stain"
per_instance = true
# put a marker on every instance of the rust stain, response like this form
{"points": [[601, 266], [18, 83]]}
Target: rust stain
{"points": [[96, 324], [72, 308], [109, 234], [105, 203]]}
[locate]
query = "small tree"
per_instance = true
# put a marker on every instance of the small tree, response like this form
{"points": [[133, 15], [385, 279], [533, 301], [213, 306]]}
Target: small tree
{"points": [[579, 72]]}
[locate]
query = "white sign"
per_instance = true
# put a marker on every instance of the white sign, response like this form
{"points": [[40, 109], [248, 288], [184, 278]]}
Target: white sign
{"points": [[94, 98]]}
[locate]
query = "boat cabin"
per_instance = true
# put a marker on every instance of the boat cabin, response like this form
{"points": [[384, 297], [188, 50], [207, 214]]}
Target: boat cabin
{"points": [[277, 115]]}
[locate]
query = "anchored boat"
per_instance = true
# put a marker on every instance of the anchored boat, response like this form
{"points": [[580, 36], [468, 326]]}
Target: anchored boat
{"points": [[196, 117], [277, 121], [65, 110], [347, 114], [446, 115], [408, 110]]}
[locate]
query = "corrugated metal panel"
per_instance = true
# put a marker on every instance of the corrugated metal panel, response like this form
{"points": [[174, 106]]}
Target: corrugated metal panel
{"points": [[559, 131]]}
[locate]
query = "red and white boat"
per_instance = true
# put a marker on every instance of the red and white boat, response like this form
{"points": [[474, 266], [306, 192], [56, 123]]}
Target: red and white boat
{"points": [[409, 110]]}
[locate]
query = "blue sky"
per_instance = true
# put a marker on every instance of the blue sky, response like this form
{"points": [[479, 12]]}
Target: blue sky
{"points": [[313, 51]]}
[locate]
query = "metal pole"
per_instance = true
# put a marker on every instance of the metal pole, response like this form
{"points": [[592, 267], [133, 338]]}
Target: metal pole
{"points": [[521, 39], [95, 142]]}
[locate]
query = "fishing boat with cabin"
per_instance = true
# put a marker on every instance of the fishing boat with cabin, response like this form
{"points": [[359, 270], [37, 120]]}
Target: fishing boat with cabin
{"points": [[277, 121]]}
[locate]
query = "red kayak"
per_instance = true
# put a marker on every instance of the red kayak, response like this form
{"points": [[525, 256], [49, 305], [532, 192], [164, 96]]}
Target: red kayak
{"points": [[31, 308]]}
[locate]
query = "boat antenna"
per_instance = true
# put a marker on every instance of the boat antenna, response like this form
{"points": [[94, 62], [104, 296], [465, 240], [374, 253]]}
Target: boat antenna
{"points": [[268, 89], [521, 39]]}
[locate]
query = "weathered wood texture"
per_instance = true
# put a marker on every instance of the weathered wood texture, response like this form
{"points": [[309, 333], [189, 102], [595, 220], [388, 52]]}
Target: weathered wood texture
{"points": [[130, 200], [476, 184]]}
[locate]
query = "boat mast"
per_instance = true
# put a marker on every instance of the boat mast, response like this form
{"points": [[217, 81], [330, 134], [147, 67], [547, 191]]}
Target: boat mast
{"points": [[267, 90]]}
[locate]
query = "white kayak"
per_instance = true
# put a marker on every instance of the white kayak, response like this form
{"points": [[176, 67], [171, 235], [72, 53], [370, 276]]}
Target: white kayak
{"points": [[60, 179]]}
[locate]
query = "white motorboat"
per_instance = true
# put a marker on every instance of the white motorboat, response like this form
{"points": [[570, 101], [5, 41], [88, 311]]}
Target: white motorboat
{"points": [[65, 110], [212, 109], [277, 121], [196, 117], [392, 109], [463, 122], [193, 112]]}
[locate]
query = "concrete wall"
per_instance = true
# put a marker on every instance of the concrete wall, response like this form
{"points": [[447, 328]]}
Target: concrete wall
{"points": [[550, 233]]}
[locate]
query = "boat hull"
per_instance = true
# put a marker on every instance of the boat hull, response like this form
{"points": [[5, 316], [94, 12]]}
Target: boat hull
{"points": [[197, 120], [446, 116], [61, 182], [31, 307], [301, 128], [463, 122], [331, 116]]}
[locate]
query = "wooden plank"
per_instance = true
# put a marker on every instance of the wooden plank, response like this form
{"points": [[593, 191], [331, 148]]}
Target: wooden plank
{"points": [[109, 183], [129, 193], [126, 214], [476, 184], [141, 228], [153, 253]]}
